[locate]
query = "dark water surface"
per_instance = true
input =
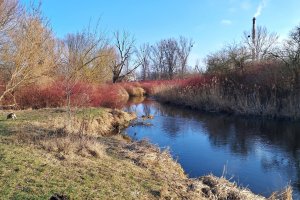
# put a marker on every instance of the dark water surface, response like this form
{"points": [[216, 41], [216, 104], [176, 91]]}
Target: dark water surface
{"points": [[263, 155]]}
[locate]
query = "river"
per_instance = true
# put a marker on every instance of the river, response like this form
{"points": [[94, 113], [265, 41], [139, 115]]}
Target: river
{"points": [[262, 155]]}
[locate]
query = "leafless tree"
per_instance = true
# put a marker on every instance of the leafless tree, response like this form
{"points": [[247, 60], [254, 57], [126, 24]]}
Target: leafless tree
{"points": [[144, 58], [264, 44], [231, 57], [123, 65], [28, 52], [217, 62], [10, 11], [184, 49], [237, 55], [81, 52], [198, 68], [170, 49], [157, 60], [289, 53]]}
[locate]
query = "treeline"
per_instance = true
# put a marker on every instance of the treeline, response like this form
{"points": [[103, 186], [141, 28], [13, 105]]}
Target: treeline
{"points": [[166, 59]]}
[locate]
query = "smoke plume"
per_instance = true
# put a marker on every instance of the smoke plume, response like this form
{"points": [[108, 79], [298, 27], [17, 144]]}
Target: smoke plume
{"points": [[261, 5]]}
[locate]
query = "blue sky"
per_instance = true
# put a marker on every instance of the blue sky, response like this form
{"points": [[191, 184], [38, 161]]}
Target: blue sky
{"points": [[210, 23]]}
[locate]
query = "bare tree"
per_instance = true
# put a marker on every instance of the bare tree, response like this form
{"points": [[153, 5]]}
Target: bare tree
{"points": [[80, 52], [217, 62], [120, 67], [184, 49], [28, 52], [289, 53], [231, 57], [237, 55], [10, 11], [144, 58], [9, 15], [264, 42], [157, 59], [198, 68], [170, 48]]}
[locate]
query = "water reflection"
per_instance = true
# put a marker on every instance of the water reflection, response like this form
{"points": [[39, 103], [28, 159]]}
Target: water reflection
{"points": [[263, 155]]}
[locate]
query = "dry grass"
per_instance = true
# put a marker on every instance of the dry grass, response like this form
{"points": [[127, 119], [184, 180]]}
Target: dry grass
{"points": [[134, 90], [69, 146], [238, 98], [220, 188], [286, 194]]}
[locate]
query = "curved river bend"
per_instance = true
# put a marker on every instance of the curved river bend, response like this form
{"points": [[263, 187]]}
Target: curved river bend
{"points": [[263, 155]]}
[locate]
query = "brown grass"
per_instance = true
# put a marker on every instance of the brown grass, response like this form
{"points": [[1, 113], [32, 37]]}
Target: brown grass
{"points": [[69, 146], [285, 194], [233, 97], [134, 91]]}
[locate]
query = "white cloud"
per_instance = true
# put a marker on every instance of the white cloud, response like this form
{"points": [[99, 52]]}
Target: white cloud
{"points": [[226, 22]]}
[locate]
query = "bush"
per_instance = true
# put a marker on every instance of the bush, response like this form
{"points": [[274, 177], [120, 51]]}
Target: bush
{"points": [[109, 95], [34, 97]]}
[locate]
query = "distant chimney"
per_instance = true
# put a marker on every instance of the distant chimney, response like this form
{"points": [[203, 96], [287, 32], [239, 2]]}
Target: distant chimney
{"points": [[253, 39]]}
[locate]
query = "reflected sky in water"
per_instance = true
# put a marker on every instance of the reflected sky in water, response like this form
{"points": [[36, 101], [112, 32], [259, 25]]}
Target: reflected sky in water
{"points": [[263, 155]]}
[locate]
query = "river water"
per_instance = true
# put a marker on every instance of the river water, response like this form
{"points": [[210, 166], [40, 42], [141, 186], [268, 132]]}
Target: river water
{"points": [[262, 155]]}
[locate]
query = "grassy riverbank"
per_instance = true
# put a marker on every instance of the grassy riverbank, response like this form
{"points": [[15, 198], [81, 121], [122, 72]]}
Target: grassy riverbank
{"points": [[43, 154]]}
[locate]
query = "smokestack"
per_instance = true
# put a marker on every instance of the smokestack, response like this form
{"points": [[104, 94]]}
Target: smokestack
{"points": [[253, 38]]}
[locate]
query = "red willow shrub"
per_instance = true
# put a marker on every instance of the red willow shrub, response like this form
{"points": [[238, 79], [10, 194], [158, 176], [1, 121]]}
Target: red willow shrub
{"points": [[109, 95], [34, 97], [153, 87], [82, 94]]}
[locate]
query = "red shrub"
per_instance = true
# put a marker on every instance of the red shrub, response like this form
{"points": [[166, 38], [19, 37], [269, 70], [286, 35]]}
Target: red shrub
{"points": [[34, 97], [80, 94], [109, 95]]}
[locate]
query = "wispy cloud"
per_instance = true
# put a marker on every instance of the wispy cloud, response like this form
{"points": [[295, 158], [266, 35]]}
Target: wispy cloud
{"points": [[226, 22], [261, 5]]}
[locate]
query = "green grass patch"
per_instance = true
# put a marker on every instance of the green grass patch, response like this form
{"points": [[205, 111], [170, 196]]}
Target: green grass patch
{"points": [[29, 173]]}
